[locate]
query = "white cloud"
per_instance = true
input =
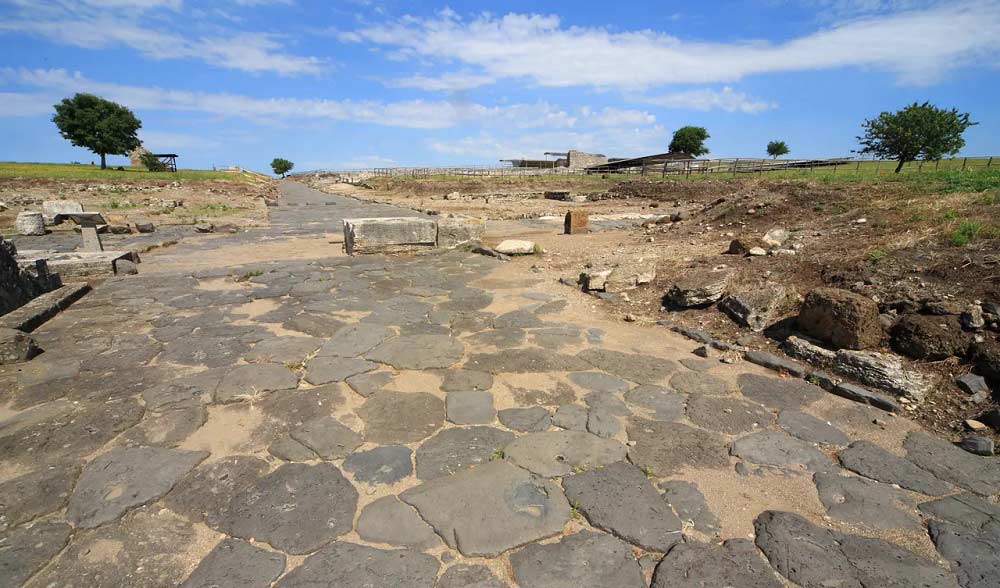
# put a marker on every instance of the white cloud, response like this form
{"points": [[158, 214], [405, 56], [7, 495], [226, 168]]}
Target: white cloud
{"points": [[706, 99], [448, 81], [13, 104], [171, 141], [496, 145], [917, 46]]}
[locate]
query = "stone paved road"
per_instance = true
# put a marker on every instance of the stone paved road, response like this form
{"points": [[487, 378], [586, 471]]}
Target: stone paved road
{"points": [[444, 420]]}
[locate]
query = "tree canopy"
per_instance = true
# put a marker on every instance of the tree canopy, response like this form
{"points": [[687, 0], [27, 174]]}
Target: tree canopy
{"points": [[281, 166], [690, 140], [99, 125], [919, 131], [777, 148]]}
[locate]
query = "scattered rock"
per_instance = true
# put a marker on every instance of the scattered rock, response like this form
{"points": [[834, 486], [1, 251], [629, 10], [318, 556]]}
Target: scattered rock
{"points": [[776, 363], [757, 252], [516, 247], [698, 289], [883, 371], [978, 445], [842, 318], [755, 308], [807, 350], [776, 237], [972, 318], [972, 384], [16, 346], [927, 337], [866, 396], [204, 228]]}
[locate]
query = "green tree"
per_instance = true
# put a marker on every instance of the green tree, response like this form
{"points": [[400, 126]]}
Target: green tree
{"points": [[690, 140], [281, 166], [776, 149], [919, 131], [152, 162], [97, 124]]}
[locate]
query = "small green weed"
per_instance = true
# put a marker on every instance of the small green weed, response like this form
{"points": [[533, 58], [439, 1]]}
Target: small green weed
{"points": [[966, 233], [497, 454], [877, 255]]}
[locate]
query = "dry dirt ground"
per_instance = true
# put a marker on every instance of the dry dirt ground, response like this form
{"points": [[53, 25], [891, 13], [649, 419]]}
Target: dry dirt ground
{"points": [[889, 240]]}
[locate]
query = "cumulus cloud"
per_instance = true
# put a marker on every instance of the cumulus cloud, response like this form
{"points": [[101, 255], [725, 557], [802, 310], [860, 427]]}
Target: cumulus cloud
{"points": [[705, 99]]}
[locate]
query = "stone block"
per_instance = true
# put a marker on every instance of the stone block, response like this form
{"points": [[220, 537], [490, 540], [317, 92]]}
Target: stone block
{"points": [[91, 240], [388, 235], [30, 223], [516, 247], [51, 208], [16, 346], [576, 222], [698, 289], [843, 318], [458, 231], [754, 308], [885, 372]]}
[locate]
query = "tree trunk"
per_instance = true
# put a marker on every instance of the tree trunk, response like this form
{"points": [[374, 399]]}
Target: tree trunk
{"points": [[899, 167], [104, 163]]}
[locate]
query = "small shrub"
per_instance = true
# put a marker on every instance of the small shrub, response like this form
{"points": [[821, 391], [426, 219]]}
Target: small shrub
{"points": [[152, 163], [877, 255], [950, 214], [966, 233]]}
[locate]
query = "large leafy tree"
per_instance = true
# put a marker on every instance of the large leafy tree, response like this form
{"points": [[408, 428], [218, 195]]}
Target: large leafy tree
{"points": [[919, 131], [777, 148], [281, 166], [690, 140], [99, 125]]}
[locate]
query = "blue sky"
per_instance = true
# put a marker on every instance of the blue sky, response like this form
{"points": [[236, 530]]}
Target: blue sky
{"points": [[362, 83]]}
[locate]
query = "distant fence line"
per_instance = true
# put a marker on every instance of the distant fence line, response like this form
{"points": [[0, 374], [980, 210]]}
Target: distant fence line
{"points": [[732, 166]]}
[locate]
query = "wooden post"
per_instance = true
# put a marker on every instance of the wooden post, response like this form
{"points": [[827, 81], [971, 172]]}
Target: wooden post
{"points": [[989, 163], [736, 164], [964, 161]]}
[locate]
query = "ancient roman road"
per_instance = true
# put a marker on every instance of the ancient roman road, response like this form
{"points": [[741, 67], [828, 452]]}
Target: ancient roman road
{"points": [[259, 410]]}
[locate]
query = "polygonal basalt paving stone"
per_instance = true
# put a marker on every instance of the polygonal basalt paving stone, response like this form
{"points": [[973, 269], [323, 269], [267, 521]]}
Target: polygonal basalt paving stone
{"points": [[35, 494], [690, 505], [284, 350], [349, 564], [810, 556], [124, 478], [381, 465], [664, 404], [523, 361], [148, 548], [398, 418], [779, 393], [559, 453], [583, 560], [499, 338], [204, 351], [166, 428], [870, 460], [387, 520], [314, 324], [555, 337], [641, 369], [526, 420], [699, 365], [974, 557], [952, 464], [299, 406], [353, 340], [809, 428], [369, 383], [699, 384], [203, 495], [459, 380], [468, 576], [237, 564], [570, 416], [473, 407], [603, 423], [967, 510], [453, 450], [327, 369], [287, 449], [621, 500], [418, 352], [27, 549], [731, 416], [317, 506], [561, 394], [466, 299], [667, 447], [599, 382], [255, 379], [735, 563], [781, 450], [517, 319], [191, 390], [864, 502], [327, 436], [491, 508]]}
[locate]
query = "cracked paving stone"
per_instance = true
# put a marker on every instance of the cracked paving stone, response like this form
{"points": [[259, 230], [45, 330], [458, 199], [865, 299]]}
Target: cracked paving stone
{"points": [[328, 437], [667, 447], [284, 350], [870, 460], [523, 361], [387, 520], [952, 464], [641, 369], [468, 576], [491, 508], [781, 450], [299, 406], [328, 369], [418, 352], [252, 380], [864, 502], [779, 393], [191, 390], [27, 549], [599, 382], [810, 556], [454, 450], [620, 499], [348, 564], [35, 494], [237, 564], [369, 383], [699, 365], [297, 508], [353, 340], [974, 557], [736, 563], [459, 380], [603, 423], [690, 505], [967, 510], [381, 465], [570, 416], [313, 324], [203, 495], [555, 337], [664, 404], [168, 428], [199, 350], [526, 420], [499, 338], [695, 384], [809, 428], [124, 478], [582, 560], [473, 407], [727, 415], [397, 418], [517, 319], [558, 453], [288, 449]]}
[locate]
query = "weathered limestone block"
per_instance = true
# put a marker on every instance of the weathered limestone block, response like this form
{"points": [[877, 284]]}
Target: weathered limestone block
{"points": [[457, 231], [50, 208], [388, 235], [843, 318], [754, 308], [883, 371], [30, 223], [699, 288], [516, 247], [91, 240]]}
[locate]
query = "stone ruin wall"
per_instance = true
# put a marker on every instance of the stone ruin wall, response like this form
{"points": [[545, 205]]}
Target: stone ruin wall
{"points": [[580, 160], [18, 286]]}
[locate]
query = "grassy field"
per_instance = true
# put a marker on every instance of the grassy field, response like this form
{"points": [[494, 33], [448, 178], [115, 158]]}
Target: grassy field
{"points": [[67, 171]]}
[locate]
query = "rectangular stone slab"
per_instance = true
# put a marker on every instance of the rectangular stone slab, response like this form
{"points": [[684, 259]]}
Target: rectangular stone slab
{"points": [[388, 235]]}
